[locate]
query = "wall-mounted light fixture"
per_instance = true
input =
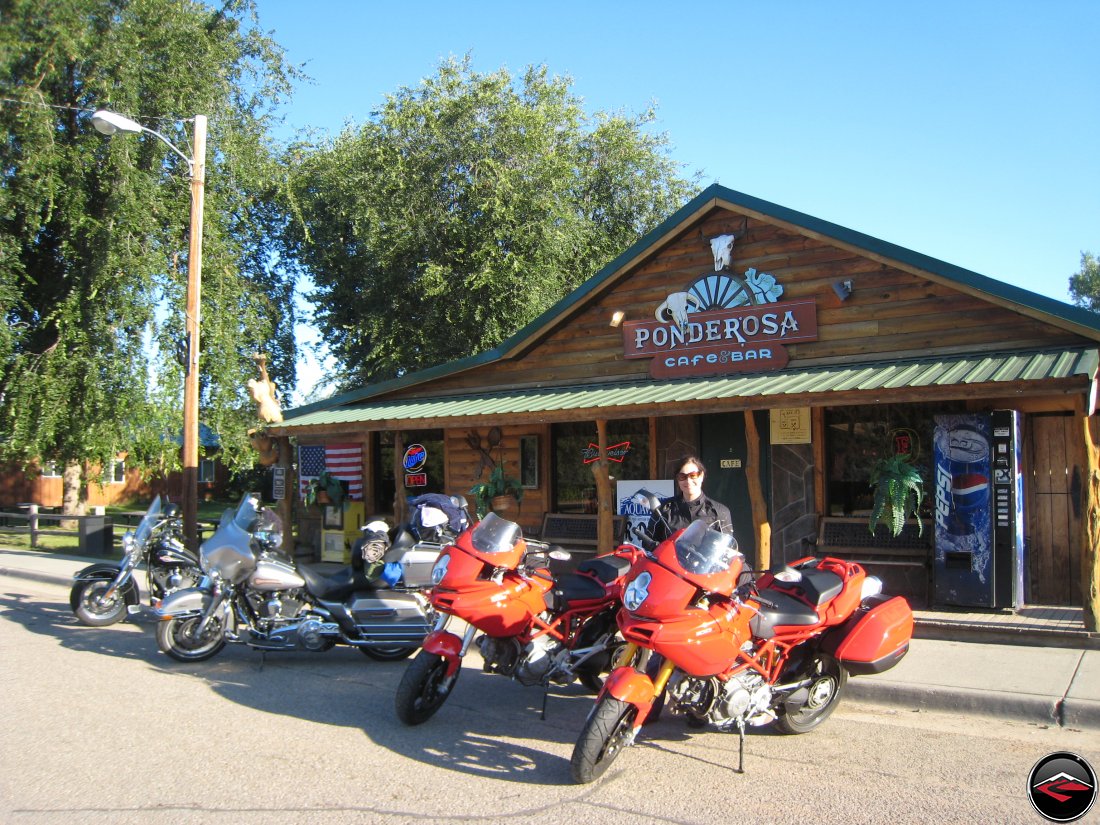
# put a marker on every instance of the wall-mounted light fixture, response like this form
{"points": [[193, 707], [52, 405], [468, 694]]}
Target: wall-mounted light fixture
{"points": [[842, 289], [617, 317]]}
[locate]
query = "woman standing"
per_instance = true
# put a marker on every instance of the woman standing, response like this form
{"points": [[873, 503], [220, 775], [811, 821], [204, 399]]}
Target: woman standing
{"points": [[689, 504]]}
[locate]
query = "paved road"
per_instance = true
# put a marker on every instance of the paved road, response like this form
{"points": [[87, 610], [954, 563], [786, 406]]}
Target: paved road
{"points": [[99, 727]]}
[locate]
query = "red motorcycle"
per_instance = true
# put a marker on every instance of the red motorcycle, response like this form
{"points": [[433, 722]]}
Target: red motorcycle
{"points": [[775, 650], [535, 628]]}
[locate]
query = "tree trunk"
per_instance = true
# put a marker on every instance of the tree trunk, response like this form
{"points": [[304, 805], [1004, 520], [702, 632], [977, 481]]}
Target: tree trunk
{"points": [[74, 498], [756, 495]]}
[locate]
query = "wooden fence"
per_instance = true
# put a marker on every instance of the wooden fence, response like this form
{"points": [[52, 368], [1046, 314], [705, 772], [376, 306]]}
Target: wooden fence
{"points": [[94, 532]]}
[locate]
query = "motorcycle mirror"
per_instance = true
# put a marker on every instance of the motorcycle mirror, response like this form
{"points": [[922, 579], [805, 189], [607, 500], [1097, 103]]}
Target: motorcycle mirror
{"points": [[787, 574], [644, 497], [557, 554]]}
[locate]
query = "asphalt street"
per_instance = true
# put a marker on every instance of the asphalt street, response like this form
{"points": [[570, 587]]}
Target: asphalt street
{"points": [[99, 727]]}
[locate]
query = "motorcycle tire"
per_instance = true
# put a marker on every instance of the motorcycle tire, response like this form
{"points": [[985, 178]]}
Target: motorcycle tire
{"points": [[822, 696], [387, 654], [88, 607], [175, 638], [424, 688], [606, 732]]}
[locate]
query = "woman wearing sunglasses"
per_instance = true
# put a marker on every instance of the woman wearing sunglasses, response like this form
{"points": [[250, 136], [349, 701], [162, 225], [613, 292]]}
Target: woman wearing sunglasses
{"points": [[688, 504]]}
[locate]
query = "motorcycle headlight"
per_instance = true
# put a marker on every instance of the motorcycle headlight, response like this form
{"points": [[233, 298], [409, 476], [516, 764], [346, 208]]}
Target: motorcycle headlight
{"points": [[637, 591], [440, 569]]}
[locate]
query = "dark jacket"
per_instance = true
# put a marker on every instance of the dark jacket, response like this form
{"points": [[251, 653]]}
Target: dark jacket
{"points": [[679, 514]]}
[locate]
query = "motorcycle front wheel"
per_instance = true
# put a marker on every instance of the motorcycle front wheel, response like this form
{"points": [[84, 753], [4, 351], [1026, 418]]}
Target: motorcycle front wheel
{"points": [[827, 679], [424, 688], [387, 654], [606, 732], [177, 638], [91, 609]]}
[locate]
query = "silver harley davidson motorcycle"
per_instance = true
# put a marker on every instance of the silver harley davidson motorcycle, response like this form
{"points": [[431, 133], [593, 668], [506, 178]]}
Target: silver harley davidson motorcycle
{"points": [[103, 593], [253, 593]]}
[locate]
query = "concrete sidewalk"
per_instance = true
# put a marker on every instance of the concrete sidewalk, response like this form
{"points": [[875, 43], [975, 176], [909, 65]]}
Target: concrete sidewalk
{"points": [[1040, 685]]}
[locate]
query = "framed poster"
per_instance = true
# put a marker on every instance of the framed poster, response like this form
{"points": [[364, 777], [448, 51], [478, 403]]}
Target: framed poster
{"points": [[334, 517]]}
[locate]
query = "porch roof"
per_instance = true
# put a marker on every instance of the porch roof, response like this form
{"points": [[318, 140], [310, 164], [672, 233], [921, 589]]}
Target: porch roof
{"points": [[965, 375]]}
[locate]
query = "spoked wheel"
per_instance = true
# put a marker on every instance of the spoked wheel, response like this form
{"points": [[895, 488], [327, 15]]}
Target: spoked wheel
{"points": [[424, 688], [811, 706], [387, 654], [179, 638], [92, 609], [607, 731]]}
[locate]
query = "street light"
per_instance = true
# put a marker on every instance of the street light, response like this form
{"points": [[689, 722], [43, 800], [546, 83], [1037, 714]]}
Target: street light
{"points": [[109, 123]]}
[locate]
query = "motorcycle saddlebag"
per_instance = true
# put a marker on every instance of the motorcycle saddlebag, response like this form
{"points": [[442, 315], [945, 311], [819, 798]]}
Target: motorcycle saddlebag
{"points": [[874, 638]]}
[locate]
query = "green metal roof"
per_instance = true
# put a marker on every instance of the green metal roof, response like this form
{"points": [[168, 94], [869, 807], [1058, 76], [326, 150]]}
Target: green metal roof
{"points": [[819, 381]]}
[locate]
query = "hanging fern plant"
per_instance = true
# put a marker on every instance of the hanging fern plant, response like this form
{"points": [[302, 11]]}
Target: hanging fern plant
{"points": [[898, 493]]}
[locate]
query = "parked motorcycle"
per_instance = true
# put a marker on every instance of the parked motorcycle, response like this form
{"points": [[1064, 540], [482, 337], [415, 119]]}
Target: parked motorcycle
{"points": [[534, 628], [254, 594], [775, 650], [103, 593]]}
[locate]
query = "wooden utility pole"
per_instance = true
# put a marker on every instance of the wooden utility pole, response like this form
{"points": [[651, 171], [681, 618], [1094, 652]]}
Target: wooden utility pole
{"points": [[190, 493]]}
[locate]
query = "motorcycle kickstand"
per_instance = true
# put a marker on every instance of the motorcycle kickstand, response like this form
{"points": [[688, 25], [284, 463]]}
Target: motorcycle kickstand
{"points": [[741, 746], [545, 697]]}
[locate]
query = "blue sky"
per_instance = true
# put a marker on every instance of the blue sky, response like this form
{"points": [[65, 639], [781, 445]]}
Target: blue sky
{"points": [[968, 131]]}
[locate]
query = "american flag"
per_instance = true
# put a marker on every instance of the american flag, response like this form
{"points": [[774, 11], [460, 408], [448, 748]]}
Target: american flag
{"points": [[345, 461]]}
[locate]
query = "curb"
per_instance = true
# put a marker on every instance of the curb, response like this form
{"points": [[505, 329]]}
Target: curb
{"points": [[1041, 710], [34, 575]]}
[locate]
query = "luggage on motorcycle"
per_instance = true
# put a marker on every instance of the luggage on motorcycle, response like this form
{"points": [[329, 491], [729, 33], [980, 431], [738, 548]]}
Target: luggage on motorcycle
{"points": [[874, 639]]}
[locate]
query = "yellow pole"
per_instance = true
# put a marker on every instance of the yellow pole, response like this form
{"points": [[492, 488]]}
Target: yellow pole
{"points": [[190, 497]]}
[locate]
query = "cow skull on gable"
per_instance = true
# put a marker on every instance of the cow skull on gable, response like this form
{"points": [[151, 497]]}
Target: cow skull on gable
{"points": [[722, 247], [676, 306]]}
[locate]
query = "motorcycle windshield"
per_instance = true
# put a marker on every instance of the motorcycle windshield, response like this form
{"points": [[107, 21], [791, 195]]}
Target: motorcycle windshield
{"points": [[148, 522], [703, 551], [495, 535], [247, 510]]}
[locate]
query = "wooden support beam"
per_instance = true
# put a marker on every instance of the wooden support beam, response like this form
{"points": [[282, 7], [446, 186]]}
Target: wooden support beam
{"points": [[605, 528], [400, 506], [756, 495], [1090, 553]]}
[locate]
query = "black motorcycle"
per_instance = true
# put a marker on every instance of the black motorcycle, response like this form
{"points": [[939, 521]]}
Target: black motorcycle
{"points": [[254, 594], [105, 592]]}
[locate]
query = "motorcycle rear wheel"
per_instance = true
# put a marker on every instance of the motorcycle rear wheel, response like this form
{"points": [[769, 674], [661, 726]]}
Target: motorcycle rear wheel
{"points": [[424, 688], [90, 609], [605, 734], [176, 638], [828, 679], [387, 654]]}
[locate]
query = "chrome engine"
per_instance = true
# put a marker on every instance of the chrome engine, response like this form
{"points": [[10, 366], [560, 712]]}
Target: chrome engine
{"points": [[532, 664], [745, 698]]}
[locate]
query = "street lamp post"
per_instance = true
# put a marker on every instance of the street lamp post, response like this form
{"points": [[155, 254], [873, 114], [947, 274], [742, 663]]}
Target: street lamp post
{"points": [[109, 123]]}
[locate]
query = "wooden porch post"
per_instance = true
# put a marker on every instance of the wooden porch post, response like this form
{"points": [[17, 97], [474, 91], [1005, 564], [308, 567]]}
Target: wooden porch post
{"points": [[285, 508], [1090, 553], [400, 507], [756, 495], [605, 534]]}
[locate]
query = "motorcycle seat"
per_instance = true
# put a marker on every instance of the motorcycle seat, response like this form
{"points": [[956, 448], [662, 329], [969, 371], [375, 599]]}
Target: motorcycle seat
{"points": [[575, 588], [605, 568], [338, 586], [819, 586], [777, 610]]}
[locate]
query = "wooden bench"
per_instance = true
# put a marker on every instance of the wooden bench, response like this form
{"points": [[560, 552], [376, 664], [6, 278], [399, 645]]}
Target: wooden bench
{"points": [[903, 562]]}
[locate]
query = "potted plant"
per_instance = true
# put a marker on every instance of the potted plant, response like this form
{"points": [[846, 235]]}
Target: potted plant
{"points": [[325, 489], [498, 493], [898, 493]]}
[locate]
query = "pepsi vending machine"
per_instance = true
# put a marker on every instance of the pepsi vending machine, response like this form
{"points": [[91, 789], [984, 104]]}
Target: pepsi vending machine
{"points": [[979, 510]]}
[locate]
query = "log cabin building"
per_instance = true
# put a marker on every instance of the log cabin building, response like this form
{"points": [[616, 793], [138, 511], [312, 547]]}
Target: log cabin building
{"points": [[788, 353]]}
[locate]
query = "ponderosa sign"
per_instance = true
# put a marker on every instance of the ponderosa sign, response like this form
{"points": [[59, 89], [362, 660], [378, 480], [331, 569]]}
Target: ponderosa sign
{"points": [[721, 323]]}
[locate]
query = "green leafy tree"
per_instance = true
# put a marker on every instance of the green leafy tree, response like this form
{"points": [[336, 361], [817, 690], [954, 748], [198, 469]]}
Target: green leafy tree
{"points": [[93, 231], [464, 208], [1084, 286]]}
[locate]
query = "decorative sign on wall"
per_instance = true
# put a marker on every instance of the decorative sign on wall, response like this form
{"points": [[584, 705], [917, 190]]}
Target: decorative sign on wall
{"points": [[790, 425], [616, 452], [413, 461], [722, 323]]}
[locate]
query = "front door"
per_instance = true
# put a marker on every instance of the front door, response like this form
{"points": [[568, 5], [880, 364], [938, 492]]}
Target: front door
{"points": [[725, 453]]}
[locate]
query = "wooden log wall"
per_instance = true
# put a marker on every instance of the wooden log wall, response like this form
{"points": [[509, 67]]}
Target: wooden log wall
{"points": [[890, 314]]}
